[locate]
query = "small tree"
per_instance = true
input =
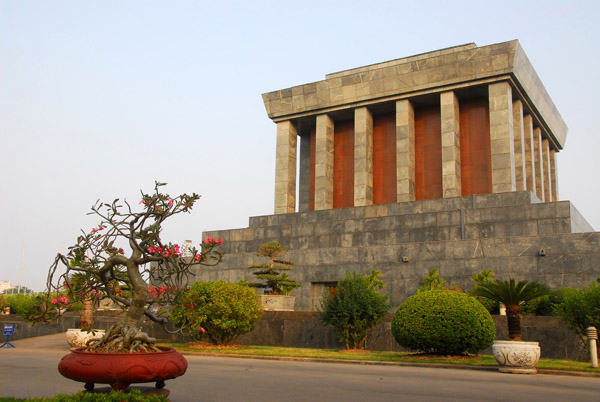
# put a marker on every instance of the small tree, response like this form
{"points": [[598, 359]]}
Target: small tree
{"points": [[123, 276], [275, 282], [512, 296], [354, 307], [220, 309], [432, 281], [580, 309]]}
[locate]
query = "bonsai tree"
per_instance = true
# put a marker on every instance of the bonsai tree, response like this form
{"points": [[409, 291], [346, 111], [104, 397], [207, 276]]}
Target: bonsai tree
{"points": [[123, 276], [275, 282], [513, 296]]}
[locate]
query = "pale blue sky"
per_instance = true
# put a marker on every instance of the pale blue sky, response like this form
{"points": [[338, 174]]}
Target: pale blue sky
{"points": [[99, 99]]}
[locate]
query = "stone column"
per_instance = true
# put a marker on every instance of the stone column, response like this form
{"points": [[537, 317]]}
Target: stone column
{"points": [[529, 157], [450, 119], [363, 157], [520, 173], [324, 163], [285, 168], [502, 137], [539, 163], [553, 175], [547, 173], [405, 151]]}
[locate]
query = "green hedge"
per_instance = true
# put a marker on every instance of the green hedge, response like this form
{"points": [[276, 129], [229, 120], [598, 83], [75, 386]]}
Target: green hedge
{"points": [[443, 322]]}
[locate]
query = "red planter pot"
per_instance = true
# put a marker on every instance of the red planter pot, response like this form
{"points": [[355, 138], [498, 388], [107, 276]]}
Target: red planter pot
{"points": [[122, 369]]}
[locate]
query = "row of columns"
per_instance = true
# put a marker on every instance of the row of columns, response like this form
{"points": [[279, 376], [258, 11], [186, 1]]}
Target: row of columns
{"points": [[521, 159]]}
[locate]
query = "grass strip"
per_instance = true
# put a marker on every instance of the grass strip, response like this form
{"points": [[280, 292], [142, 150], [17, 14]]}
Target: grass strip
{"points": [[371, 355]]}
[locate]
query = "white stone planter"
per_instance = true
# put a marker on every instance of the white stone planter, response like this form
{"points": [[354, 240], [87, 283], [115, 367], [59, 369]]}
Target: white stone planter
{"points": [[277, 302], [516, 357], [78, 337]]}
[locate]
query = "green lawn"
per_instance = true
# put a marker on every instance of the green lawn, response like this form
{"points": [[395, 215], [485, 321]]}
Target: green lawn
{"points": [[379, 356]]}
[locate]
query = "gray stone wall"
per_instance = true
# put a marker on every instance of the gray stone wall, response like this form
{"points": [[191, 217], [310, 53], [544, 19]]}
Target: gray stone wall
{"points": [[505, 233]]}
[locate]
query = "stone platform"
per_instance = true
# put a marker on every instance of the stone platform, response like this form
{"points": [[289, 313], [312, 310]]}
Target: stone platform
{"points": [[513, 234]]}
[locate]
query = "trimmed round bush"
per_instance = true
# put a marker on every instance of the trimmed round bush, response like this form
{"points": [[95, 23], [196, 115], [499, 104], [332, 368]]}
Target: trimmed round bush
{"points": [[443, 322], [220, 310]]}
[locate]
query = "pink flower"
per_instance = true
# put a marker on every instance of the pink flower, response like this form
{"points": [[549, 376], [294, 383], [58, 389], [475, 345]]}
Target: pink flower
{"points": [[151, 250], [94, 230], [170, 202], [142, 201], [219, 242], [202, 330], [197, 257], [208, 240]]}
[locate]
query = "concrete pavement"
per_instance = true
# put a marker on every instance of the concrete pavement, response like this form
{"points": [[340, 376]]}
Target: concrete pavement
{"points": [[31, 370]]}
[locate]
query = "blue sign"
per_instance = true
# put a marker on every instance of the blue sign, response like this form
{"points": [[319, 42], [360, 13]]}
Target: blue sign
{"points": [[9, 329]]}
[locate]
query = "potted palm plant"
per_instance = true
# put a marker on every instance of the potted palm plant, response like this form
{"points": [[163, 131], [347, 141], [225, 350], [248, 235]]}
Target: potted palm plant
{"points": [[120, 258], [276, 284], [513, 356]]}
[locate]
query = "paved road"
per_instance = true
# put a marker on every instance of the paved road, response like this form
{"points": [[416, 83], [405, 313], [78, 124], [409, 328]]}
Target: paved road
{"points": [[30, 370]]}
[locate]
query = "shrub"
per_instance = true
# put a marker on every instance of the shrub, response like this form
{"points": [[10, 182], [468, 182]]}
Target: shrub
{"points": [[134, 395], [547, 305], [478, 279], [580, 308], [443, 322], [354, 307], [223, 310]]}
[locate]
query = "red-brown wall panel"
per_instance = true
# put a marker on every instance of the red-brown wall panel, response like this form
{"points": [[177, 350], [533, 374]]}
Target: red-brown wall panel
{"points": [[475, 150], [428, 153], [343, 164], [384, 158]]}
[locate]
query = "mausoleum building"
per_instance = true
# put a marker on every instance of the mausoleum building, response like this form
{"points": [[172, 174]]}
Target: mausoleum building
{"points": [[443, 160]]}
